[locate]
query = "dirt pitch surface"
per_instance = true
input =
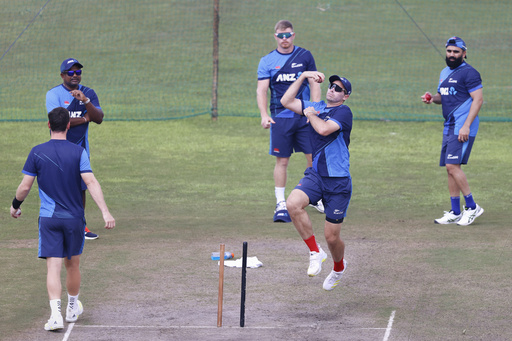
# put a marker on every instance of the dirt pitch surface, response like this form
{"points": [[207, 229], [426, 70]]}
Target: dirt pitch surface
{"points": [[405, 287]]}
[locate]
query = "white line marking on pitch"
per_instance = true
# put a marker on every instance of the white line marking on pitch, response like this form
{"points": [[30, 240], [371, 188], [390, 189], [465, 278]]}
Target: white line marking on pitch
{"points": [[213, 327], [68, 332], [390, 324]]}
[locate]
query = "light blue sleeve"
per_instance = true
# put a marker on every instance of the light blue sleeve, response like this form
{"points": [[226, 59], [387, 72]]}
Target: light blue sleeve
{"points": [[263, 70], [85, 163], [52, 101]]}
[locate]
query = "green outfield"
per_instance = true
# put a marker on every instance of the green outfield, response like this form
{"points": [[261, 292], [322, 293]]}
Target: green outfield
{"points": [[181, 188], [179, 184], [152, 60]]}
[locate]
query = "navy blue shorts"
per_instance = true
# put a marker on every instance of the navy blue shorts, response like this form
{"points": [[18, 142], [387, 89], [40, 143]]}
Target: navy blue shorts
{"points": [[334, 192], [288, 135], [454, 152], [60, 237]]}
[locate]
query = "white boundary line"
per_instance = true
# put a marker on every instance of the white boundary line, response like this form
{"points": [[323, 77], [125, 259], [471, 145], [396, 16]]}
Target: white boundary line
{"points": [[390, 324]]}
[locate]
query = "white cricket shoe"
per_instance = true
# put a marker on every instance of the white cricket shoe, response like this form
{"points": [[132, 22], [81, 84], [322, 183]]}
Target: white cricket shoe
{"points": [[448, 218], [334, 278], [54, 323], [319, 206], [315, 262], [469, 215], [73, 314]]}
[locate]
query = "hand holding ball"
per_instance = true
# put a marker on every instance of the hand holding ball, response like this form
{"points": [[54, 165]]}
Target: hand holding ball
{"points": [[427, 96]]}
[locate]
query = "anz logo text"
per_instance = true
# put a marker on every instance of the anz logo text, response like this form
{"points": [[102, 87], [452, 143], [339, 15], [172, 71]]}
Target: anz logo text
{"points": [[447, 91], [75, 114], [290, 77]]}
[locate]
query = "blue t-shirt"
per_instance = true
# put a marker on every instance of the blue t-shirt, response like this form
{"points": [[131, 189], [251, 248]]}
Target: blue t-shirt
{"points": [[57, 164], [283, 70], [331, 157], [455, 87], [59, 96]]}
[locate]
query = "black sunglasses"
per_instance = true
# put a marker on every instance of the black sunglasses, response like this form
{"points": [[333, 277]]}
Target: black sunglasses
{"points": [[71, 73], [336, 87]]}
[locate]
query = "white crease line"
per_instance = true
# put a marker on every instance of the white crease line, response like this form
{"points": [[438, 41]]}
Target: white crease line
{"points": [[68, 332], [215, 327], [390, 324], [192, 327]]}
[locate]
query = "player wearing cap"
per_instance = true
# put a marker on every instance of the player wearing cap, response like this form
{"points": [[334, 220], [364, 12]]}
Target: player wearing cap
{"points": [[288, 131], [329, 178], [83, 106], [461, 96]]}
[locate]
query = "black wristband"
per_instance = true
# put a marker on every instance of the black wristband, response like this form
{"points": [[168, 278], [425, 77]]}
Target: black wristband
{"points": [[16, 203]]}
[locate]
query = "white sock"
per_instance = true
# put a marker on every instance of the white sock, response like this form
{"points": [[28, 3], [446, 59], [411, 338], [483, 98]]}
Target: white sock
{"points": [[280, 194], [55, 306], [72, 302]]}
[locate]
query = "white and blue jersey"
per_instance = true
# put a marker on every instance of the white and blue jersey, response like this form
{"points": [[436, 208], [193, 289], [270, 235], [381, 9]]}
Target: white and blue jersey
{"points": [[59, 96], [282, 70], [331, 157], [455, 87], [58, 165]]}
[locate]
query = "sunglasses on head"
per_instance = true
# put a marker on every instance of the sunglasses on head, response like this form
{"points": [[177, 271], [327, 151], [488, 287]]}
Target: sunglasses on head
{"points": [[284, 35], [71, 73], [336, 87]]}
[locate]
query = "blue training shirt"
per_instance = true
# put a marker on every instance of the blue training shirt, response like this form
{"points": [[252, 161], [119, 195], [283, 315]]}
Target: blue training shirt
{"points": [[59, 96], [331, 157], [283, 70], [455, 87], [58, 165]]}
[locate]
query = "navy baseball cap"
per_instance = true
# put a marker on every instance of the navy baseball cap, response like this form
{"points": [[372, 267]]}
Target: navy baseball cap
{"points": [[68, 64], [456, 41], [343, 81]]}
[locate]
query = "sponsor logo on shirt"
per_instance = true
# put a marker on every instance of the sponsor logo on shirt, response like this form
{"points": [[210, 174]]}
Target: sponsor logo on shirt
{"points": [[294, 65], [451, 80], [289, 77], [75, 114], [66, 102], [447, 91]]}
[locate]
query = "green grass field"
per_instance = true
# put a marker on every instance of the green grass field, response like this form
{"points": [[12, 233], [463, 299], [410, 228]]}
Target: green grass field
{"points": [[153, 59], [180, 188]]}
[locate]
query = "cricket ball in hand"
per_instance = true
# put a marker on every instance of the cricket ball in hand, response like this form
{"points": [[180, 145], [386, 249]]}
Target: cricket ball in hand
{"points": [[428, 97]]}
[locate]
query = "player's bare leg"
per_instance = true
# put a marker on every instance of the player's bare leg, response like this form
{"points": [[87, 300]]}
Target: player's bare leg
{"points": [[54, 288], [298, 200], [53, 284], [335, 243], [457, 181], [296, 203], [337, 248], [73, 276], [280, 170]]}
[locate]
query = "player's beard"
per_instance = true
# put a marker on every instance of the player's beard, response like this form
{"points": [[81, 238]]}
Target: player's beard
{"points": [[453, 62]]}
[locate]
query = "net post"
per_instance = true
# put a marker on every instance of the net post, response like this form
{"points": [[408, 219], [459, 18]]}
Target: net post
{"points": [[215, 58]]}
